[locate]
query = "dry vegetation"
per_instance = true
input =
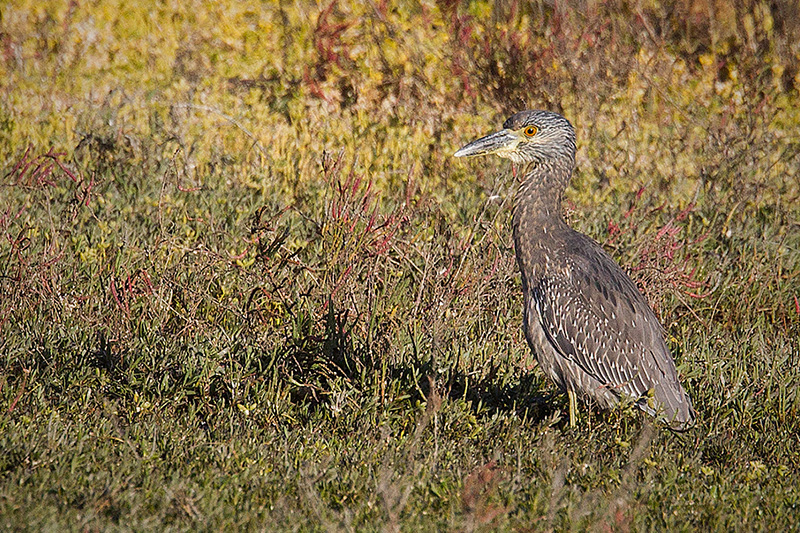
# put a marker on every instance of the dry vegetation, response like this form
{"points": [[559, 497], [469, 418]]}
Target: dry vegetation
{"points": [[244, 285]]}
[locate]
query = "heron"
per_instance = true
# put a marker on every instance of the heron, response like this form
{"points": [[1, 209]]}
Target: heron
{"points": [[591, 330]]}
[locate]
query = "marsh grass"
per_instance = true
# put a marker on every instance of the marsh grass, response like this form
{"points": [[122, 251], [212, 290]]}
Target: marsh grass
{"points": [[243, 285]]}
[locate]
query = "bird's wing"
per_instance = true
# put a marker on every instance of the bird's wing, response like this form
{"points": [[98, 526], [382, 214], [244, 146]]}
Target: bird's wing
{"points": [[594, 315]]}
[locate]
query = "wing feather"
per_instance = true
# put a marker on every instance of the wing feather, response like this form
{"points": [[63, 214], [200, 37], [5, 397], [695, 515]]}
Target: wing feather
{"points": [[593, 315]]}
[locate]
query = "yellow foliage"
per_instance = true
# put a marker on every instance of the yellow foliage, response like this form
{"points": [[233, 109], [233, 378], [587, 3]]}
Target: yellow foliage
{"points": [[275, 85]]}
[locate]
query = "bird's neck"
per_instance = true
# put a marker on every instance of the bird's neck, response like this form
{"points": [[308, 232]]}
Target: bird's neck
{"points": [[538, 222]]}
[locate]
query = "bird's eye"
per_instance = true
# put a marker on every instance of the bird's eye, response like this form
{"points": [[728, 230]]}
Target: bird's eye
{"points": [[530, 131]]}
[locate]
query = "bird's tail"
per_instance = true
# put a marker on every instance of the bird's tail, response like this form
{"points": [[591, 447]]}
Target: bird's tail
{"points": [[670, 404]]}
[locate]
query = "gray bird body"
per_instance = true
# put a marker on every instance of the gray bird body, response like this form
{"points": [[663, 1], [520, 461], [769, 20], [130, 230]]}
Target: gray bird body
{"points": [[591, 330]]}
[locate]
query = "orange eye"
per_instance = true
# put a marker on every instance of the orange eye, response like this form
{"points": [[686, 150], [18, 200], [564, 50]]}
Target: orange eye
{"points": [[530, 131]]}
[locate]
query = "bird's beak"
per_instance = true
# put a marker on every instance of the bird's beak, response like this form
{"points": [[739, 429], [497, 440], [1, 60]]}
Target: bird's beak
{"points": [[495, 143]]}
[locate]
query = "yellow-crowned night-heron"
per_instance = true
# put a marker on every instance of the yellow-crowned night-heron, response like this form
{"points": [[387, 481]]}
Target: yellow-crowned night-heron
{"points": [[589, 327]]}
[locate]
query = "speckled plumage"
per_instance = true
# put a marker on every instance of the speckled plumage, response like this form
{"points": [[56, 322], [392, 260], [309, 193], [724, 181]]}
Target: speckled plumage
{"points": [[591, 330]]}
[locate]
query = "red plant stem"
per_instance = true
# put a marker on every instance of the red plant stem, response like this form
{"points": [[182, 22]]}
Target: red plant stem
{"points": [[64, 169], [13, 405], [22, 160], [121, 300], [338, 285], [240, 256]]}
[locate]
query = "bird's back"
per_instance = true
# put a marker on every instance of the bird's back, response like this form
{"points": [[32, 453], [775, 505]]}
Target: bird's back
{"points": [[596, 320]]}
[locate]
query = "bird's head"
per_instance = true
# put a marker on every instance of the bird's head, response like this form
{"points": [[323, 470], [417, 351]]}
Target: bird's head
{"points": [[528, 137]]}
